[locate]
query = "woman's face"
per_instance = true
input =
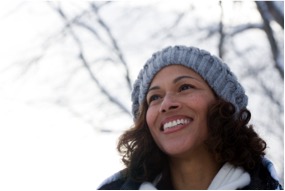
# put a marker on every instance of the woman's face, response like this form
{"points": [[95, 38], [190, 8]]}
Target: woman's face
{"points": [[178, 101]]}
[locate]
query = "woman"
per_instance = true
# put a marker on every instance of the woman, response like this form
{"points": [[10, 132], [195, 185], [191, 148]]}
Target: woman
{"points": [[191, 128]]}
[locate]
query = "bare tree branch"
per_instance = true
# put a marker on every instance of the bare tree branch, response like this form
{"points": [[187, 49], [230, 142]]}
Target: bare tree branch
{"points": [[92, 30], [86, 65], [245, 27], [221, 31], [276, 12], [101, 87], [256, 71], [279, 65], [115, 44]]}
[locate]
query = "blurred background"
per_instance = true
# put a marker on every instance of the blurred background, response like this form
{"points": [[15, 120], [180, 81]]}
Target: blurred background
{"points": [[67, 69]]}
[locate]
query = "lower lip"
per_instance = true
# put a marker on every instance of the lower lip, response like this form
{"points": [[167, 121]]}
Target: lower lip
{"points": [[175, 129]]}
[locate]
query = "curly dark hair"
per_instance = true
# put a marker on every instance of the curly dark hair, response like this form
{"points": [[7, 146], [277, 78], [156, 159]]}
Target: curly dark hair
{"points": [[231, 140]]}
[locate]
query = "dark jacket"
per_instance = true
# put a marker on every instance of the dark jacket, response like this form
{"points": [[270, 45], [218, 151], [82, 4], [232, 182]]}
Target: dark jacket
{"points": [[263, 177]]}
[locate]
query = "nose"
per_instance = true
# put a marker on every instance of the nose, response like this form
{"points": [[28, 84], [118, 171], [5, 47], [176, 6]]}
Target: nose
{"points": [[169, 103]]}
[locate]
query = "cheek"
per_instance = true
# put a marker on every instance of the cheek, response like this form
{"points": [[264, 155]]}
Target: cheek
{"points": [[150, 117], [203, 103]]}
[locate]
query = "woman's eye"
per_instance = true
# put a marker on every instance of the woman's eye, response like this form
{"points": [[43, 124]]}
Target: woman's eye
{"points": [[185, 87], [153, 98]]}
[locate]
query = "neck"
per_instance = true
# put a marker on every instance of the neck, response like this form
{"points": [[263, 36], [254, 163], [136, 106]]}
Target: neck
{"points": [[196, 173]]}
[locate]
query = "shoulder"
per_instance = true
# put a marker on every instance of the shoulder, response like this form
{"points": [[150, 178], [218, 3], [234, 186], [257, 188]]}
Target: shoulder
{"points": [[119, 181], [264, 177], [113, 182]]}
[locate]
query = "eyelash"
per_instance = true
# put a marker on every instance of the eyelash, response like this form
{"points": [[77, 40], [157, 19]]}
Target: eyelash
{"points": [[185, 85], [153, 98]]}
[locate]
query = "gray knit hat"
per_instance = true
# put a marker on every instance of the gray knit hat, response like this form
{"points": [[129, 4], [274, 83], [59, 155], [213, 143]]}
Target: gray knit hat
{"points": [[211, 68]]}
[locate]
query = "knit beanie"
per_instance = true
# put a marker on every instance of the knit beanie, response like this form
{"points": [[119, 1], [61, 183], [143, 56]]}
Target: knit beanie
{"points": [[211, 68]]}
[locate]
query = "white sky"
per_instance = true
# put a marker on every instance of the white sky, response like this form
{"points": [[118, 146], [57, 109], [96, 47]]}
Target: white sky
{"points": [[46, 148], [43, 147]]}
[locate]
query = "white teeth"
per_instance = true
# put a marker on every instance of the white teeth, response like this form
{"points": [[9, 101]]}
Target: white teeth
{"points": [[175, 123]]}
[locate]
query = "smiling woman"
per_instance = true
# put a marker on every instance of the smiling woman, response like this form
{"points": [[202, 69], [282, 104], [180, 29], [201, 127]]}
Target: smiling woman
{"points": [[191, 128], [182, 95]]}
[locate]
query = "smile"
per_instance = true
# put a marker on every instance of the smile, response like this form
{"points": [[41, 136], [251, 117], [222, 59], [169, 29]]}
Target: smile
{"points": [[175, 123]]}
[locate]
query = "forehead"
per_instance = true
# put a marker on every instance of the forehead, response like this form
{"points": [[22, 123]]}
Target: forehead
{"points": [[172, 71]]}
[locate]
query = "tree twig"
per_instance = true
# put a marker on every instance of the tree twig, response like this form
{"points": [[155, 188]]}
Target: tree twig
{"points": [[115, 45], [222, 34], [86, 65]]}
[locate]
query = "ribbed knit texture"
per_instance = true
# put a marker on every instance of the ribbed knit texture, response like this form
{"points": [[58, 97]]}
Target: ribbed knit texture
{"points": [[211, 68]]}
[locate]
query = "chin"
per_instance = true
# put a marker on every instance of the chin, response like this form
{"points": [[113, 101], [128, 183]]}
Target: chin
{"points": [[175, 150], [183, 150]]}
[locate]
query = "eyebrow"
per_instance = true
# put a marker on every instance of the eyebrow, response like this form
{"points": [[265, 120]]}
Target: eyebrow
{"points": [[174, 81], [181, 77]]}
